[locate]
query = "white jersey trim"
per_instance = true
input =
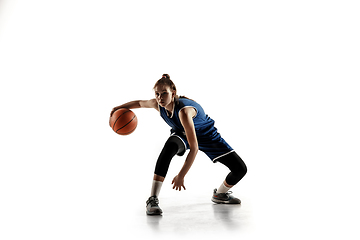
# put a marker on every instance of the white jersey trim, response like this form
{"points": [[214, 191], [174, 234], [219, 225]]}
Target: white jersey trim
{"points": [[214, 160], [192, 107]]}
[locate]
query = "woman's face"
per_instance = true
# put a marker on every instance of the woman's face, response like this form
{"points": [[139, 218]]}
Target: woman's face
{"points": [[164, 96]]}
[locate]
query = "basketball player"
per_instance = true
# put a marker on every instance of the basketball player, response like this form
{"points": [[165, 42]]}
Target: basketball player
{"points": [[191, 129]]}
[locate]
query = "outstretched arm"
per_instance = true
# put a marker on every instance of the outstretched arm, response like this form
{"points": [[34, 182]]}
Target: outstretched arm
{"points": [[137, 104]]}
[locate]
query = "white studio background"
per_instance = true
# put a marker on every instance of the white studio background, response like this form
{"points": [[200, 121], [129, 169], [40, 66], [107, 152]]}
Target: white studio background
{"points": [[280, 78]]}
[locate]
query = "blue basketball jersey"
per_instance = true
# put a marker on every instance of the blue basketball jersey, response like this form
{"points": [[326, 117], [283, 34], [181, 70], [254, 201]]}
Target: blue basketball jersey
{"points": [[209, 140]]}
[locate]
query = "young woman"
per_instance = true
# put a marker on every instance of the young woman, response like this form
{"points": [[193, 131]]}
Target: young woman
{"points": [[191, 129]]}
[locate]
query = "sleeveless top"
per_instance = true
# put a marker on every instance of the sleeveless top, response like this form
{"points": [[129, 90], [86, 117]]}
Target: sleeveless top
{"points": [[209, 140], [204, 125]]}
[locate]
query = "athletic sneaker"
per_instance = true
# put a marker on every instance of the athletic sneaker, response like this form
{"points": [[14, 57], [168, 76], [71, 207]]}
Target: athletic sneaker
{"points": [[224, 198], [152, 206]]}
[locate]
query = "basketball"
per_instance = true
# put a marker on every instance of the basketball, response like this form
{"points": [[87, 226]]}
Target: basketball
{"points": [[123, 121]]}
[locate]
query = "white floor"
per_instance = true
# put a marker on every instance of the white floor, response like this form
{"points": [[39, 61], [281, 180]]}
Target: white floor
{"points": [[199, 216], [280, 79]]}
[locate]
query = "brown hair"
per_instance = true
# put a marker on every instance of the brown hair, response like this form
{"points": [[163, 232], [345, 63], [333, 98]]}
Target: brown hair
{"points": [[165, 80]]}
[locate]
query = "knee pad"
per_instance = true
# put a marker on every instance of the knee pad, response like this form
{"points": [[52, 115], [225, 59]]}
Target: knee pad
{"points": [[180, 144], [234, 177], [237, 167], [172, 147]]}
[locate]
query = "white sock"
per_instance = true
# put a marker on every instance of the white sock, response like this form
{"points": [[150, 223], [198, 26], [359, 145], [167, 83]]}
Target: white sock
{"points": [[155, 189], [223, 189]]}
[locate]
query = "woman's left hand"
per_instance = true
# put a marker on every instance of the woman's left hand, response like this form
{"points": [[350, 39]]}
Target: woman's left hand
{"points": [[178, 183]]}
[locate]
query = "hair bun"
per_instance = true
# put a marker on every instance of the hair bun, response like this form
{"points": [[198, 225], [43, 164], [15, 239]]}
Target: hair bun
{"points": [[166, 76]]}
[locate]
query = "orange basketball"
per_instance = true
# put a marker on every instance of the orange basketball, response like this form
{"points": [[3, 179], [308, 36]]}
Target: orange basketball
{"points": [[123, 121]]}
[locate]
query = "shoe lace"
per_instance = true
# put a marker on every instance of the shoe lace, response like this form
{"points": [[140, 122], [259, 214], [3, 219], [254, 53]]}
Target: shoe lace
{"points": [[153, 201], [229, 192]]}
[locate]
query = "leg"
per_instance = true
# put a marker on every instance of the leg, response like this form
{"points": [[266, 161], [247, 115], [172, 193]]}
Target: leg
{"points": [[158, 178], [172, 146], [237, 167], [238, 170]]}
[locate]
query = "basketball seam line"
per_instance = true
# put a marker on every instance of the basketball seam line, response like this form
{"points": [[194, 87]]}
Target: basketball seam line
{"points": [[127, 123], [128, 132], [118, 118]]}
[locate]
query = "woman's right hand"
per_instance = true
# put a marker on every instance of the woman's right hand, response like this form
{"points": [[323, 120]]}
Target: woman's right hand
{"points": [[114, 110]]}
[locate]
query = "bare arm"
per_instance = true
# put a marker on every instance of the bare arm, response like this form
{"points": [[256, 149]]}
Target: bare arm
{"points": [[186, 117], [137, 104]]}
